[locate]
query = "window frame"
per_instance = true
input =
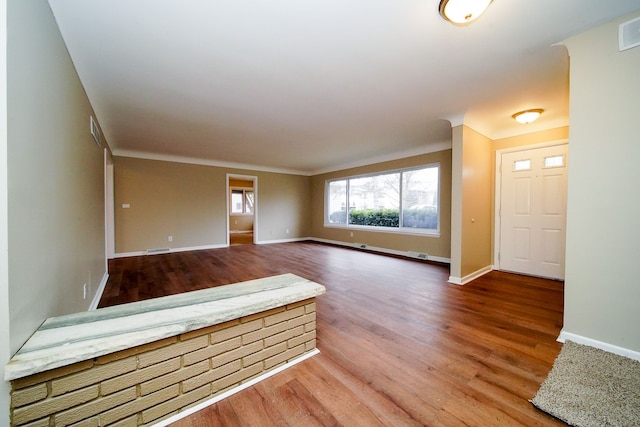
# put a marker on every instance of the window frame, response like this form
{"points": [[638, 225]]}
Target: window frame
{"points": [[244, 190], [381, 229]]}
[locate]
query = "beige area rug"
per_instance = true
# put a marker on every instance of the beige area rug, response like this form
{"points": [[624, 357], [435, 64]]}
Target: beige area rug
{"points": [[591, 387]]}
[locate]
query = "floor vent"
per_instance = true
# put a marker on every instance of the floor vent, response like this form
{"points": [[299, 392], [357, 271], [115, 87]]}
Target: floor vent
{"points": [[158, 251], [418, 255]]}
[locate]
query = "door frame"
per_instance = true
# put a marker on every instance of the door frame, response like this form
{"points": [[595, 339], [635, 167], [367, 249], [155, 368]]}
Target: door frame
{"points": [[498, 190], [253, 179], [109, 211]]}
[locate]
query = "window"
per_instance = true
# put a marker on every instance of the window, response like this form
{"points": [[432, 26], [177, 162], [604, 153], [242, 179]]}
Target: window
{"points": [[554, 161], [522, 165], [404, 201], [242, 201]]}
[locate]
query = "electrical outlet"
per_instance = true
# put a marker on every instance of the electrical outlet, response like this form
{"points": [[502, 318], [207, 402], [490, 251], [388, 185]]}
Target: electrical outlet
{"points": [[84, 291], [287, 231], [170, 238], [351, 234]]}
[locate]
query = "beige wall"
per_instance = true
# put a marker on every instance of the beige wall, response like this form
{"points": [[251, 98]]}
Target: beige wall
{"points": [[476, 219], [557, 134], [55, 174], [188, 202], [602, 290], [434, 246]]}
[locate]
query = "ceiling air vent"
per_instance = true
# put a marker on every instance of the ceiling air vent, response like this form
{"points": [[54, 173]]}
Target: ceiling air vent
{"points": [[629, 34]]}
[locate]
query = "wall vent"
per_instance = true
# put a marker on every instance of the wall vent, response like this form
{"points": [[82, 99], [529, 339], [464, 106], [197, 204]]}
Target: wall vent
{"points": [[155, 251], [95, 131], [629, 34]]}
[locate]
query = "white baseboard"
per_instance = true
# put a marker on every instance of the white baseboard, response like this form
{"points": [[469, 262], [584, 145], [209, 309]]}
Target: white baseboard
{"points": [[128, 254], [469, 277], [271, 242], [234, 390], [198, 248], [407, 254], [184, 249], [579, 339], [99, 292]]}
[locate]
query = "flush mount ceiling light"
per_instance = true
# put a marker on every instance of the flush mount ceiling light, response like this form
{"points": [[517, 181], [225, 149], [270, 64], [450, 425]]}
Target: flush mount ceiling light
{"points": [[528, 116], [461, 12]]}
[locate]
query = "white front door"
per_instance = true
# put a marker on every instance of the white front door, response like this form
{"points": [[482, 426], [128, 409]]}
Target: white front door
{"points": [[533, 205]]}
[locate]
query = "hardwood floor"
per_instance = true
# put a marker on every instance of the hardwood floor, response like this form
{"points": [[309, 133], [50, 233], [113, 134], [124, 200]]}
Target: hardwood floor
{"points": [[241, 238], [399, 345]]}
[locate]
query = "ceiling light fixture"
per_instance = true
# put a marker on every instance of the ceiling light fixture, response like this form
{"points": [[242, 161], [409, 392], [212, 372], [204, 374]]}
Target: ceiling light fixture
{"points": [[462, 12], [528, 116]]}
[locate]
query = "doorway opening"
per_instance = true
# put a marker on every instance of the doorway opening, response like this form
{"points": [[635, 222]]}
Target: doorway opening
{"points": [[531, 204], [242, 193]]}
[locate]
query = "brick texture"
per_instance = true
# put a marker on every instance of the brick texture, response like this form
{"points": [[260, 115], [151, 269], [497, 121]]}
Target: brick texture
{"points": [[151, 382]]}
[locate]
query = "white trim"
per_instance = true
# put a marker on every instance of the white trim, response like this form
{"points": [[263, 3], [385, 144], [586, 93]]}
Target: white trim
{"points": [[407, 254], [183, 249], [254, 180], [204, 162], [197, 248], [99, 292], [426, 149], [271, 242], [128, 254], [498, 190], [469, 277], [579, 339], [234, 390], [423, 232]]}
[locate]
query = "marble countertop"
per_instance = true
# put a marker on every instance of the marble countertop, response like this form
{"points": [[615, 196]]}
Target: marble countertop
{"points": [[65, 340]]}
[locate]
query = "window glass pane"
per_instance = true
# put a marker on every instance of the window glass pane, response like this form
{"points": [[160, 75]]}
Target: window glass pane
{"points": [[554, 161], [236, 201], [375, 200], [248, 199], [420, 198], [337, 202], [522, 165]]}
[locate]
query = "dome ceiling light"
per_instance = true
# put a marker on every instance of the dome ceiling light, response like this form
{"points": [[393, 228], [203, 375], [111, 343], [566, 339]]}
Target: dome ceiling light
{"points": [[528, 116], [462, 12]]}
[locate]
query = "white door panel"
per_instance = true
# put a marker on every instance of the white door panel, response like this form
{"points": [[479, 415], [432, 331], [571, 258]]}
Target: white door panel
{"points": [[533, 201]]}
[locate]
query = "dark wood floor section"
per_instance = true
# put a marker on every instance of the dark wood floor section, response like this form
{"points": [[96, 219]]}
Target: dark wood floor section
{"points": [[399, 345]]}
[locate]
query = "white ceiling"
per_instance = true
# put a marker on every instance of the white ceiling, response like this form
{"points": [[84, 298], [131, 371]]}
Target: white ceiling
{"points": [[313, 85]]}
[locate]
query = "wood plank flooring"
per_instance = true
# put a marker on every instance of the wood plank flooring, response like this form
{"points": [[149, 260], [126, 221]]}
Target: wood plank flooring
{"points": [[399, 345]]}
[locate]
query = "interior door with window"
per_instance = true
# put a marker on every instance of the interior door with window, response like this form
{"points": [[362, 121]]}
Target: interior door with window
{"points": [[533, 204]]}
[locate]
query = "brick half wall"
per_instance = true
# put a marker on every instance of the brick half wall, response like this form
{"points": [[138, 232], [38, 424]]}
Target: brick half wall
{"points": [[146, 384]]}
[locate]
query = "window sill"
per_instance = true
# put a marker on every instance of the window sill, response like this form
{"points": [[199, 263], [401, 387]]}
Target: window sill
{"points": [[390, 230]]}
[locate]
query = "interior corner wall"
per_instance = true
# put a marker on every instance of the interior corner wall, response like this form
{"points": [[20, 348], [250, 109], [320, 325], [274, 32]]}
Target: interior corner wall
{"points": [[56, 238], [432, 245], [455, 270], [602, 290], [476, 219], [189, 203]]}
